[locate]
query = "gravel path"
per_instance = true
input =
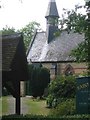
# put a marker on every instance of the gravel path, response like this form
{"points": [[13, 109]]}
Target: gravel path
{"points": [[11, 102]]}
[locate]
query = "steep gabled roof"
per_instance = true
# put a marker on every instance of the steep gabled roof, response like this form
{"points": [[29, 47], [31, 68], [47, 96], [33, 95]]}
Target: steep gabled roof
{"points": [[12, 45], [56, 51], [9, 47]]}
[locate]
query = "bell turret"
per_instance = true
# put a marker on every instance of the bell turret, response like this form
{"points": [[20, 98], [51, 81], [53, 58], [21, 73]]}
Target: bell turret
{"points": [[52, 20]]}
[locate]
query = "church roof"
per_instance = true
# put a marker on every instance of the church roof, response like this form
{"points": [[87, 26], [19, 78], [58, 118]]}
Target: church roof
{"points": [[56, 51], [52, 9]]}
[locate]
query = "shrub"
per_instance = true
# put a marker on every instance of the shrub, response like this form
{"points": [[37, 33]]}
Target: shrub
{"points": [[40, 117], [39, 79], [65, 108], [61, 88], [49, 101]]}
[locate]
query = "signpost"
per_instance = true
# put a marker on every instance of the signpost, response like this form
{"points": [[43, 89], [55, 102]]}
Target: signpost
{"points": [[83, 95]]}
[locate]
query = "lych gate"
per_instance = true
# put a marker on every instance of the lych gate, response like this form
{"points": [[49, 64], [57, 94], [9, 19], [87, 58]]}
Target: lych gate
{"points": [[14, 65]]}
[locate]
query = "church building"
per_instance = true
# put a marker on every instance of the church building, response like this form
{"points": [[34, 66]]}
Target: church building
{"points": [[52, 51]]}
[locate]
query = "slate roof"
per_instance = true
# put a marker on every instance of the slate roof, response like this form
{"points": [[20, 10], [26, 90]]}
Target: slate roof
{"points": [[56, 51]]}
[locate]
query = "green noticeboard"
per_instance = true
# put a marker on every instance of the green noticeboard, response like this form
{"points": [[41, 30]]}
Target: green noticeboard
{"points": [[83, 95]]}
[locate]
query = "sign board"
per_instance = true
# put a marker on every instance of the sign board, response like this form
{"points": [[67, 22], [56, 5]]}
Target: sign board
{"points": [[83, 95]]}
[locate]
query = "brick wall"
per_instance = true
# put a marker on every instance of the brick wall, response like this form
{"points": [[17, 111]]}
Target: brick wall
{"points": [[79, 68]]}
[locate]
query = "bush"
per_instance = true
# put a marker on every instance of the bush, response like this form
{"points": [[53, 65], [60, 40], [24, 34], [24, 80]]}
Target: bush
{"points": [[49, 100], [67, 107], [62, 88], [40, 117], [39, 79]]}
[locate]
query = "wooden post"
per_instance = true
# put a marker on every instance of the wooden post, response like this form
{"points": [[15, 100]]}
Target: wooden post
{"points": [[18, 105], [18, 98]]}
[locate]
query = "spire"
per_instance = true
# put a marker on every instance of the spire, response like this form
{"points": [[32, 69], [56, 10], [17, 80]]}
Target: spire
{"points": [[52, 10], [52, 20]]}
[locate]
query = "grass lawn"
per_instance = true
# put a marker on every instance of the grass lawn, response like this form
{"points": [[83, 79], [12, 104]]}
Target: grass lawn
{"points": [[0, 106], [37, 107], [4, 105]]}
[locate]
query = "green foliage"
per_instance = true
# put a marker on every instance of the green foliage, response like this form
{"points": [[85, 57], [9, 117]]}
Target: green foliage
{"points": [[62, 87], [7, 30], [80, 53], [41, 117], [49, 100], [5, 105], [28, 32], [37, 106], [65, 108], [74, 21], [39, 78]]}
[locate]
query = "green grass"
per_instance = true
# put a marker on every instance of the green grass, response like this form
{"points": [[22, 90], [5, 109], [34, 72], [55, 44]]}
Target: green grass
{"points": [[4, 105], [37, 107], [0, 106]]}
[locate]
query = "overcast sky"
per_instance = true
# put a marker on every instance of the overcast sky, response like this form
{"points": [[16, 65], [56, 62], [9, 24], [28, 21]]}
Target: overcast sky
{"points": [[17, 14]]}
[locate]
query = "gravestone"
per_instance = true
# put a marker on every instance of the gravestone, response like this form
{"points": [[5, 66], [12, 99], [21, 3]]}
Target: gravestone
{"points": [[83, 95]]}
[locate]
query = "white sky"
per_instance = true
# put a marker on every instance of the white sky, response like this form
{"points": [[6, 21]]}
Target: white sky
{"points": [[16, 14]]}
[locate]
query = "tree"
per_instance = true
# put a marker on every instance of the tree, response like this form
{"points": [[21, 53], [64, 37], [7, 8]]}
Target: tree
{"points": [[76, 22], [73, 20], [7, 30], [39, 79], [28, 32]]}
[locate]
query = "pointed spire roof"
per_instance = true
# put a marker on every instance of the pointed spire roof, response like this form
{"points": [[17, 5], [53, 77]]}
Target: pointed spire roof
{"points": [[52, 10]]}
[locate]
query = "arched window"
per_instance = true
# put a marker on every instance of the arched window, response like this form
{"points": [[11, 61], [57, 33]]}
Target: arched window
{"points": [[69, 70]]}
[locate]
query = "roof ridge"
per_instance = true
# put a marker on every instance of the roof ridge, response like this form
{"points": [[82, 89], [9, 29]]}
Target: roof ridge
{"points": [[31, 42]]}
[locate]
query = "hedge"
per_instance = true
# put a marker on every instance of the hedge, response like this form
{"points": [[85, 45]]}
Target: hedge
{"points": [[41, 117]]}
